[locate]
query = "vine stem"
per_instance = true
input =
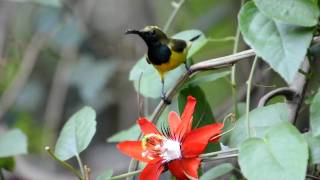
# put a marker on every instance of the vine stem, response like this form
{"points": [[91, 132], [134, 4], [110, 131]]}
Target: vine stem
{"points": [[80, 165], [177, 7], [233, 68], [64, 164], [249, 84]]}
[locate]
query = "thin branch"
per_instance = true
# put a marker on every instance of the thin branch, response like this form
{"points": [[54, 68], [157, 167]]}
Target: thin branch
{"points": [[312, 177], [177, 7], [63, 163], [249, 82], [233, 69], [287, 92]]}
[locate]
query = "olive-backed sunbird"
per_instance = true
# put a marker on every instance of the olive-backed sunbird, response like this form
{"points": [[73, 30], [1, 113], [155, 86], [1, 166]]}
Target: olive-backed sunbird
{"points": [[164, 53]]}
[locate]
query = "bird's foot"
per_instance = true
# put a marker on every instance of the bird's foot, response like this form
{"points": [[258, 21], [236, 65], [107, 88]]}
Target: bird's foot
{"points": [[165, 99], [187, 68]]}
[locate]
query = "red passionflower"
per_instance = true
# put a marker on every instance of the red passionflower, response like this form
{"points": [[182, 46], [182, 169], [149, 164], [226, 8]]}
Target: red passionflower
{"points": [[177, 149]]}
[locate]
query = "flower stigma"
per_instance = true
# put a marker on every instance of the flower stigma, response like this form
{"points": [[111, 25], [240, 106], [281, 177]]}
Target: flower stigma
{"points": [[155, 146]]}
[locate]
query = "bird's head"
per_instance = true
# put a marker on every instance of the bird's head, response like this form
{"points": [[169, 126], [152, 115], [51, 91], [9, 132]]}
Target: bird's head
{"points": [[152, 35]]}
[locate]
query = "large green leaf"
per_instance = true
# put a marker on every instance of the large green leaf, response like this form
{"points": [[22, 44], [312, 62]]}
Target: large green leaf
{"points": [[282, 46], [282, 154], [76, 134], [260, 120], [7, 163], [150, 84], [105, 176], [13, 143], [217, 171], [297, 12], [314, 147], [203, 114], [315, 114]]}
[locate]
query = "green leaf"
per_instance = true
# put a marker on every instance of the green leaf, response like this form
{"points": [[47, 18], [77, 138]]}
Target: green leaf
{"points": [[105, 176], [7, 163], [217, 171], [202, 115], [13, 143], [208, 78], [126, 135], [282, 46], [282, 154], [315, 114], [150, 84], [314, 147], [297, 12], [260, 120], [76, 134]]}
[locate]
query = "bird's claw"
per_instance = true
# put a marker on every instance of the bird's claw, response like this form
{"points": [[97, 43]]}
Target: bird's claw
{"points": [[165, 99]]}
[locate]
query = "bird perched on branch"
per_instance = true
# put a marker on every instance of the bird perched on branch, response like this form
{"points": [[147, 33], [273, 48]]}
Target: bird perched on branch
{"points": [[164, 53]]}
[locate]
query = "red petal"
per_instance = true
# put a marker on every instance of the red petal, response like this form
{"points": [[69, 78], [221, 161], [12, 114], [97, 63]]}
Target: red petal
{"points": [[176, 169], [132, 149], [190, 167], [152, 171], [186, 117], [196, 141], [174, 121], [147, 127]]}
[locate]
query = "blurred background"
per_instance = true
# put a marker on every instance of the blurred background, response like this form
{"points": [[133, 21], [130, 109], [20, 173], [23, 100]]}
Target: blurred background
{"points": [[57, 56]]}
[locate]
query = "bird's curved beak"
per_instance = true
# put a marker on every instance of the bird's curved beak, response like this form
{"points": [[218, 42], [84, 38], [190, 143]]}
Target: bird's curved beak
{"points": [[132, 31]]}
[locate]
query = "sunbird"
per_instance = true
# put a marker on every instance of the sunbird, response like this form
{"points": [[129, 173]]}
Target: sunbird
{"points": [[164, 53]]}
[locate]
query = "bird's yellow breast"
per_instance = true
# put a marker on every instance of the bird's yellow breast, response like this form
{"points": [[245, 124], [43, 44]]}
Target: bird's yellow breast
{"points": [[175, 60]]}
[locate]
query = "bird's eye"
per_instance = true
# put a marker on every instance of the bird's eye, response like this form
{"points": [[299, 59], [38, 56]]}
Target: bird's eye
{"points": [[153, 32]]}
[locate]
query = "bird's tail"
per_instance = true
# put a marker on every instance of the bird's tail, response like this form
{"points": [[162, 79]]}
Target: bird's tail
{"points": [[195, 38]]}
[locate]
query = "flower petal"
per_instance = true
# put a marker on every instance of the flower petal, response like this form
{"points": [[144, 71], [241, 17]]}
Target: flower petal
{"points": [[152, 171], [190, 167], [197, 140], [174, 121], [176, 169], [132, 149], [186, 117], [147, 127]]}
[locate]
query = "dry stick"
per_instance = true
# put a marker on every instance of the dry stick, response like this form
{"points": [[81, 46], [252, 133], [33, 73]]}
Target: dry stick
{"points": [[198, 67], [9, 96], [294, 94]]}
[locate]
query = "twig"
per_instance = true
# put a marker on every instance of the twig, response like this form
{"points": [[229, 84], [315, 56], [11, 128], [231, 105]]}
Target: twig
{"points": [[287, 92], [64, 164], [9, 96], [177, 7], [233, 69], [87, 173], [81, 167], [249, 82], [312, 177]]}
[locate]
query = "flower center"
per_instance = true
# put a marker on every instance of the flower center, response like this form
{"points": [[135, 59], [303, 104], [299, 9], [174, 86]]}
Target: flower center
{"points": [[155, 146]]}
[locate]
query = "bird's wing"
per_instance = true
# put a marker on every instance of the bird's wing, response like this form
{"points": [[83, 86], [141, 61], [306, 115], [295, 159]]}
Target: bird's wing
{"points": [[178, 45]]}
